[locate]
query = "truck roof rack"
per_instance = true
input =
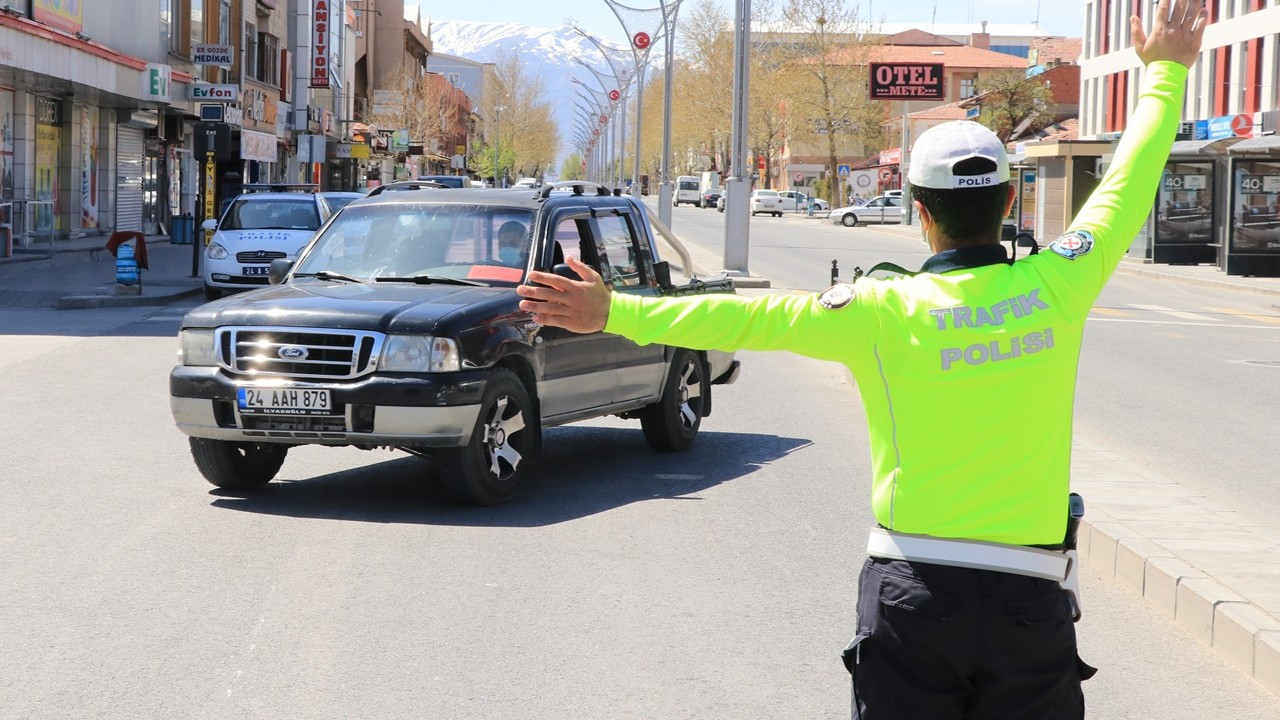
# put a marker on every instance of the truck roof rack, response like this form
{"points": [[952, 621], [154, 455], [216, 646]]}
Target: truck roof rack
{"points": [[579, 188], [280, 187]]}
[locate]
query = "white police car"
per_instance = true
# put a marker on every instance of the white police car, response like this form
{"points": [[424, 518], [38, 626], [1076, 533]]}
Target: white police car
{"points": [[256, 228]]}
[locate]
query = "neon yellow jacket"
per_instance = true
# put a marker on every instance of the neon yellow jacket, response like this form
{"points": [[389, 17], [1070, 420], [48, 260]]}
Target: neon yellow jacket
{"points": [[967, 370]]}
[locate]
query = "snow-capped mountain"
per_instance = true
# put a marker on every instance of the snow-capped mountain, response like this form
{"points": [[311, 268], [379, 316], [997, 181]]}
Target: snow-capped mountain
{"points": [[555, 54]]}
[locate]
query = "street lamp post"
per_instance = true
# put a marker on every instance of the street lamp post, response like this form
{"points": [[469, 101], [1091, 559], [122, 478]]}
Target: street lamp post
{"points": [[497, 120]]}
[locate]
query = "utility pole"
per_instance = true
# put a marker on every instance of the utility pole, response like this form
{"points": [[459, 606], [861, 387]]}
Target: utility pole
{"points": [[737, 189]]}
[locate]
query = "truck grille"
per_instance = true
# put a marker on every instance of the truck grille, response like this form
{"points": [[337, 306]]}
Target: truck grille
{"points": [[298, 352], [258, 256]]}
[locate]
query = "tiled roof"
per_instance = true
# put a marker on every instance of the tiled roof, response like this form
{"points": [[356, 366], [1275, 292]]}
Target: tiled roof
{"points": [[1057, 48], [1068, 129], [952, 56]]}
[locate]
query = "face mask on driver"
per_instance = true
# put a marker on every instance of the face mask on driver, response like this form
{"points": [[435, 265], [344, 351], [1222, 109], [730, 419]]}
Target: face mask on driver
{"points": [[509, 255]]}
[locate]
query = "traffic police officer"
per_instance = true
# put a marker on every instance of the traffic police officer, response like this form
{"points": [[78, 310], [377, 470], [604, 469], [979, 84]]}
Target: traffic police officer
{"points": [[961, 610]]}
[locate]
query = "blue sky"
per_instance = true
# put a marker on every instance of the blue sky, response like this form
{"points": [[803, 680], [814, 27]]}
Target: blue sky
{"points": [[1057, 17]]}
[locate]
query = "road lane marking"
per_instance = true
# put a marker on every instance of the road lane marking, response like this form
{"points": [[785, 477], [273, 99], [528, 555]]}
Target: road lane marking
{"points": [[1114, 312], [1216, 324], [1177, 313], [1271, 319]]}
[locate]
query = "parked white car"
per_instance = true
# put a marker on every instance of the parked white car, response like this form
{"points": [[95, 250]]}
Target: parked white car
{"points": [[766, 201], [884, 209], [256, 228], [794, 201]]}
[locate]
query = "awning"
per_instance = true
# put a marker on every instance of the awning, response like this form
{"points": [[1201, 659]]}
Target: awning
{"points": [[1263, 144], [1196, 147]]}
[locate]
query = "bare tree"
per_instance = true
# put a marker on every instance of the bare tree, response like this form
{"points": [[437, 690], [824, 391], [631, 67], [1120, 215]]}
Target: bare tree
{"points": [[825, 46], [1014, 104], [526, 125]]}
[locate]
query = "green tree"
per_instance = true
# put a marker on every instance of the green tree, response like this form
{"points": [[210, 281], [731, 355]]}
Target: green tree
{"points": [[573, 168]]}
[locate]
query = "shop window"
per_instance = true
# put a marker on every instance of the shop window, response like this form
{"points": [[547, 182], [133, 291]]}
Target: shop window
{"points": [[197, 22], [250, 50], [268, 59]]}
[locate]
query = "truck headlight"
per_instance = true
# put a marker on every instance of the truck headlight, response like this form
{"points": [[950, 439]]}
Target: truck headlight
{"points": [[419, 353], [197, 348], [216, 252]]}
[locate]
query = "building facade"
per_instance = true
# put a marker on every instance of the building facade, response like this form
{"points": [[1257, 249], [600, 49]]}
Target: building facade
{"points": [[1220, 198]]}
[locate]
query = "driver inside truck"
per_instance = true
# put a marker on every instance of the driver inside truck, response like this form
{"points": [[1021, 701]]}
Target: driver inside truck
{"points": [[513, 244]]}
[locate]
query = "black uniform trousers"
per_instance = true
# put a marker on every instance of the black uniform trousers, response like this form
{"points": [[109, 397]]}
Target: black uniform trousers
{"points": [[941, 643]]}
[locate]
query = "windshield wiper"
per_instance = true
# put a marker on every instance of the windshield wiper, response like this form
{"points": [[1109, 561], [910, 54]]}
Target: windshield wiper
{"points": [[429, 279], [327, 275]]}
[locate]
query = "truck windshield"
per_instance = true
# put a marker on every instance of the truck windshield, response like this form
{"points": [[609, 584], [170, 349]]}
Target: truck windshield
{"points": [[404, 240]]}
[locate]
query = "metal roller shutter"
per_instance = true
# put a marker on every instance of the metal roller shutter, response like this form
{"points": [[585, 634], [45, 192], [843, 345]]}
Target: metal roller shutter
{"points": [[130, 148]]}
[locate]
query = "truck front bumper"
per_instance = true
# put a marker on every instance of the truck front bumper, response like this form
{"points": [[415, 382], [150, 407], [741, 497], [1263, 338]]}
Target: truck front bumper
{"points": [[377, 410]]}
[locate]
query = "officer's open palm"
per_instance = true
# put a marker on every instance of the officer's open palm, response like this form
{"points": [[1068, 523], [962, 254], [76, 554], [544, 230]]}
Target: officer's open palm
{"points": [[578, 305], [1176, 32]]}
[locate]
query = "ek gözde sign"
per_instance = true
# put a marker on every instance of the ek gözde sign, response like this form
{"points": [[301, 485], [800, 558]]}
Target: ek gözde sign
{"points": [[906, 81]]}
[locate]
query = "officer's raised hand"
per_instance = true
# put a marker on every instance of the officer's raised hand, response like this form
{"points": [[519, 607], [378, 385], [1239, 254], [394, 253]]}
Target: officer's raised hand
{"points": [[578, 305], [1175, 34]]}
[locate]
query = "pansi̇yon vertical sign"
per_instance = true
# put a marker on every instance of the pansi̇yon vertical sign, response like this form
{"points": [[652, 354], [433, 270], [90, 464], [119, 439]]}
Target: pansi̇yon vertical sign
{"points": [[906, 81], [320, 44]]}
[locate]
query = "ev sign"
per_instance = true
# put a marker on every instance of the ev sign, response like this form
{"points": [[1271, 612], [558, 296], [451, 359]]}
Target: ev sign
{"points": [[1174, 183], [215, 93], [906, 81], [1254, 184]]}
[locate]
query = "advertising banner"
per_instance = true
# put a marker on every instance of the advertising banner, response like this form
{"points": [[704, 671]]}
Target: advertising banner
{"points": [[1184, 207], [62, 14], [88, 167], [6, 144], [1255, 218], [257, 146]]}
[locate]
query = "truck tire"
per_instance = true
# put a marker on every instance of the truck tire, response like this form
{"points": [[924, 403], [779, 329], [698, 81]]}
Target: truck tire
{"points": [[236, 465], [494, 465], [672, 423]]}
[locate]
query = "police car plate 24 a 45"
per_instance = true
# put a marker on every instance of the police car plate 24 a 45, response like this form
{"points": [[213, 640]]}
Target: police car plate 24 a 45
{"points": [[285, 401]]}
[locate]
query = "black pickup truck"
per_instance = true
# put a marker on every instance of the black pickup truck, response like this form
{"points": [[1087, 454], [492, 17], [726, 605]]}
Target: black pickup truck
{"points": [[399, 326]]}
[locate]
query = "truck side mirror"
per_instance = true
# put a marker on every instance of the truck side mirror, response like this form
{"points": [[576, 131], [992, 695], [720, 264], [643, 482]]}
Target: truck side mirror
{"points": [[565, 272], [278, 270], [209, 224], [662, 273]]}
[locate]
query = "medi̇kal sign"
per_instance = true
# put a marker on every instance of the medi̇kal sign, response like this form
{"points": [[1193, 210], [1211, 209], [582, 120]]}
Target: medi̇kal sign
{"points": [[906, 81]]}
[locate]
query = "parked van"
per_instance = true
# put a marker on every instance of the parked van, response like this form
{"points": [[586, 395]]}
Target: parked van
{"points": [[687, 191]]}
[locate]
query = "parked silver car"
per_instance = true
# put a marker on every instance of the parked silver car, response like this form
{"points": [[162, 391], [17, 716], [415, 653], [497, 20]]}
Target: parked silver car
{"points": [[884, 209]]}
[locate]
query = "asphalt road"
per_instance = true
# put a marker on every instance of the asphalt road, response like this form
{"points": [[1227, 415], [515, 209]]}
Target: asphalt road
{"points": [[716, 583]]}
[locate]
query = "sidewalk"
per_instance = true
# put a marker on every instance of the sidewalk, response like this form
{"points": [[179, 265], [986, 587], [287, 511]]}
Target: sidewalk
{"points": [[1199, 564], [80, 273]]}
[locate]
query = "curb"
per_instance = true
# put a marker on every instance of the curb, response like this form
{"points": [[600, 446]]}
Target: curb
{"points": [[1181, 552], [89, 302], [1144, 269]]}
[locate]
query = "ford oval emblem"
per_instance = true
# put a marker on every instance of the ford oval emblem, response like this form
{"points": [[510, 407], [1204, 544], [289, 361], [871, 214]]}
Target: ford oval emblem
{"points": [[292, 352]]}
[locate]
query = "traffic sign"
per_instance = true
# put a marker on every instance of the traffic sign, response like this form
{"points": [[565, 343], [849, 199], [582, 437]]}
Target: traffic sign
{"points": [[842, 170], [798, 177]]}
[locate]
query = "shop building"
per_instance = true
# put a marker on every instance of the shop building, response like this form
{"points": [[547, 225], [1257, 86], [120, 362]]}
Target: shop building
{"points": [[91, 122], [1219, 200]]}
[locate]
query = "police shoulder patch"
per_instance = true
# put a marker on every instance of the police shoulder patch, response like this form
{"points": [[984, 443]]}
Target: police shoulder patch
{"points": [[836, 297], [1073, 244]]}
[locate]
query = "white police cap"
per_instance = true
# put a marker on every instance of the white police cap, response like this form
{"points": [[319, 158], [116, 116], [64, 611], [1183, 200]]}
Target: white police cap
{"points": [[940, 148]]}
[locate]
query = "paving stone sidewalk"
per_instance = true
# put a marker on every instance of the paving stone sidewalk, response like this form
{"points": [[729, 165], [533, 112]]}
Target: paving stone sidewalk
{"points": [[81, 274]]}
